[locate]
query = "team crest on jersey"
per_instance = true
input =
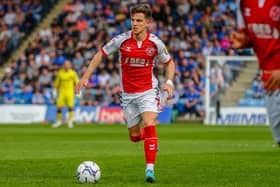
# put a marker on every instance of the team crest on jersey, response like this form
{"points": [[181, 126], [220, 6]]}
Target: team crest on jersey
{"points": [[275, 13], [150, 51]]}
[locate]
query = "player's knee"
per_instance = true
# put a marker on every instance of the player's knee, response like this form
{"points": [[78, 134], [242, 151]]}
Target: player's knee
{"points": [[149, 123], [59, 110]]}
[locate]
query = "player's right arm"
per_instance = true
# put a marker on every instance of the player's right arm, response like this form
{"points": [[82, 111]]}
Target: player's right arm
{"points": [[240, 40], [111, 47], [96, 60]]}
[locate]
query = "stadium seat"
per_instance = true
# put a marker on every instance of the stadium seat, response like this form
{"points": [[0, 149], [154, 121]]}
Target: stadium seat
{"points": [[243, 102], [18, 91], [249, 93], [251, 102]]}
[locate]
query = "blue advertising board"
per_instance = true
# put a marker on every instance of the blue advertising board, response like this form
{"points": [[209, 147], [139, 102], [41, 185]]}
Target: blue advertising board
{"points": [[101, 114]]}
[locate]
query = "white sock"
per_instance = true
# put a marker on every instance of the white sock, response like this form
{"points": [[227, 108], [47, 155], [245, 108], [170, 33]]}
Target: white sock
{"points": [[150, 167]]}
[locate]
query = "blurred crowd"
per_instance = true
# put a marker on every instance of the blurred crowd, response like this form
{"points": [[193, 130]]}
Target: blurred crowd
{"points": [[17, 19], [191, 30]]}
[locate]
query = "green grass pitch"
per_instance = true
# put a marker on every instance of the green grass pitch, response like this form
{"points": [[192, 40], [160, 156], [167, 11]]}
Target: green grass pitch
{"points": [[189, 155]]}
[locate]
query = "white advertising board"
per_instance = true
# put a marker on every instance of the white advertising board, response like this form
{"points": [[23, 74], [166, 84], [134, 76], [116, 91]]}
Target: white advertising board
{"points": [[22, 113], [243, 116]]}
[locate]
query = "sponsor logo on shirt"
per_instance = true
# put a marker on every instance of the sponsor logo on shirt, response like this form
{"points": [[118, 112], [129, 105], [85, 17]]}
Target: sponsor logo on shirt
{"points": [[264, 31], [137, 62]]}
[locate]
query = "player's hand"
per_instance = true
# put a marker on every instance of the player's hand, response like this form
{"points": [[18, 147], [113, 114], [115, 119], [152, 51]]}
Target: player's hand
{"points": [[273, 82], [54, 92], [169, 89], [81, 84], [238, 39]]}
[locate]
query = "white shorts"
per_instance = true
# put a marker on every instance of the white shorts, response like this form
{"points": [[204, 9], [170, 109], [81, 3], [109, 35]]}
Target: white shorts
{"points": [[135, 104]]}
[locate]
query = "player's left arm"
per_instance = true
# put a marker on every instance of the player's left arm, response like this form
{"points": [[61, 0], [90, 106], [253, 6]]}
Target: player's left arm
{"points": [[273, 82], [75, 80], [169, 86], [164, 57]]}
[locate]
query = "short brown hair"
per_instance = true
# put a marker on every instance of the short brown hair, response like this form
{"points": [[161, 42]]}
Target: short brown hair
{"points": [[142, 8]]}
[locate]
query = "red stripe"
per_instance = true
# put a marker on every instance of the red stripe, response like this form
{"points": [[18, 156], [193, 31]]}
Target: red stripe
{"points": [[168, 61], [158, 102], [103, 52]]}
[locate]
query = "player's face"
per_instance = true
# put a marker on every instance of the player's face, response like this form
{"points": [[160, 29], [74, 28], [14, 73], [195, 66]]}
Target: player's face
{"points": [[139, 23], [67, 65]]}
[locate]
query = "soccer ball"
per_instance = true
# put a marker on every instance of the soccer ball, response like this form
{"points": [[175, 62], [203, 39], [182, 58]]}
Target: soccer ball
{"points": [[88, 172]]}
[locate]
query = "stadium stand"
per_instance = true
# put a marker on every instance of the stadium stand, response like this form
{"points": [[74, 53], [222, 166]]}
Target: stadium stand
{"points": [[255, 95], [191, 29], [17, 20]]}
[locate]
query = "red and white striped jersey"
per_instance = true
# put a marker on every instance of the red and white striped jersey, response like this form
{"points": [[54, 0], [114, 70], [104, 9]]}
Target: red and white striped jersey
{"points": [[137, 60], [261, 20]]}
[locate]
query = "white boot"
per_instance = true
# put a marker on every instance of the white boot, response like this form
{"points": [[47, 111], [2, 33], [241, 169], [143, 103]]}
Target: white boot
{"points": [[70, 124], [57, 124]]}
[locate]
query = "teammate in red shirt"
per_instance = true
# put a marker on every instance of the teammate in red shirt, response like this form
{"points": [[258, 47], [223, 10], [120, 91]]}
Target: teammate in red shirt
{"points": [[259, 27], [139, 51]]}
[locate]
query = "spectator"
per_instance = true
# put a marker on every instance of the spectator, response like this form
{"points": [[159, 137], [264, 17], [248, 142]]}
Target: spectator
{"points": [[191, 101], [103, 78], [48, 97], [37, 10], [5, 33], [26, 95], [21, 81], [114, 80], [88, 98], [1, 96], [115, 101], [258, 88], [78, 60], [42, 58], [20, 18], [82, 24], [45, 78], [10, 96], [45, 33], [10, 16], [208, 49], [38, 98], [59, 58], [99, 97], [15, 40], [69, 50]]}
